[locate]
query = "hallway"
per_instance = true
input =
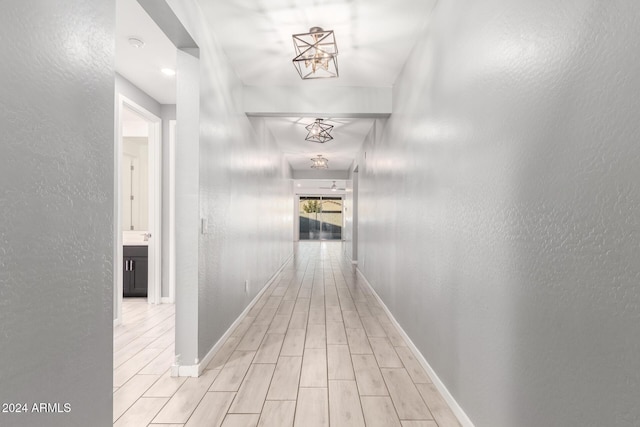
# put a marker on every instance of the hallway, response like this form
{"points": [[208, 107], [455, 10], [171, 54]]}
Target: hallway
{"points": [[316, 349]]}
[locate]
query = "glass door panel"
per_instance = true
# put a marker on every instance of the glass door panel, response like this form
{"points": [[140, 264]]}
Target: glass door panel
{"points": [[310, 218], [331, 221], [320, 218]]}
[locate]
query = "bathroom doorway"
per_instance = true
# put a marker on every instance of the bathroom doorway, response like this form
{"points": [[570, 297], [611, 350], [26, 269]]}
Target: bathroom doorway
{"points": [[138, 207]]}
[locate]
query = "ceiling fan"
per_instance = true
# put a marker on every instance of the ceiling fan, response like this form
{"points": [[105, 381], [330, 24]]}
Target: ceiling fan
{"points": [[333, 187]]}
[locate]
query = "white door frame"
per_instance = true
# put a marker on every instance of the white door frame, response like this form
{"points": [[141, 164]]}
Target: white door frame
{"points": [[155, 204]]}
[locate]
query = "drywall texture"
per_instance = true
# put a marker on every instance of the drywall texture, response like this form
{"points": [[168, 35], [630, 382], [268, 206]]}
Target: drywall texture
{"points": [[350, 235], [187, 208], [245, 193], [499, 209], [56, 211]]}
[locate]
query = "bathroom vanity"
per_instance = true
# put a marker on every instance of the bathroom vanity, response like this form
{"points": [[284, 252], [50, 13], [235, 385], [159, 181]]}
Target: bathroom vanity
{"points": [[135, 271]]}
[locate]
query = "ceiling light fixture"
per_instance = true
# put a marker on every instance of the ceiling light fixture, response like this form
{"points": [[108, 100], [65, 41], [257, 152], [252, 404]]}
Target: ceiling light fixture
{"points": [[319, 162], [136, 42], [333, 187], [168, 72], [319, 132], [316, 54]]}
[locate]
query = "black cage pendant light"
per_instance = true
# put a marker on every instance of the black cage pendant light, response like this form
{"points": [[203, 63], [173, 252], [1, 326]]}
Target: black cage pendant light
{"points": [[319, 132], [316, 54]]}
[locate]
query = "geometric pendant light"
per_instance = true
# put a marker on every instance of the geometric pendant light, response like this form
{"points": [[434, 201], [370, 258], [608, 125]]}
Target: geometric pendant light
{"points": [[316, 54], [319, 162], [319, 132]]}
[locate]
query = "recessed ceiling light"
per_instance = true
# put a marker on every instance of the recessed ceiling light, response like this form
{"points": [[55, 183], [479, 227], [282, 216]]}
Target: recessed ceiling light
{"points": [[168, 72], [136, 42]]}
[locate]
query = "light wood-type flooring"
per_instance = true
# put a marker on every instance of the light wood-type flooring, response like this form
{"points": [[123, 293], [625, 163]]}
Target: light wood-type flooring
{"points": [[316, 349]]}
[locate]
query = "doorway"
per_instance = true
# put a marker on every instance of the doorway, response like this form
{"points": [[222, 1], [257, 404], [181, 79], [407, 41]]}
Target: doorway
{"points": [[138, 211], [320, 218]]}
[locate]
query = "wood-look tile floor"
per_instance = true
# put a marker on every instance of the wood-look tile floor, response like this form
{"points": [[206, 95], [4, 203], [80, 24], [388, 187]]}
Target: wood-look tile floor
{"points": [[317, 349]]}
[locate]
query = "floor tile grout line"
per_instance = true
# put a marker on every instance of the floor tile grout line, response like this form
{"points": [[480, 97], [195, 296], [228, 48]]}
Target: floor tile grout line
{"points": [[131, 342], [136, 400], [252, 363], [138, 372], [133, 321], [323, 279]]}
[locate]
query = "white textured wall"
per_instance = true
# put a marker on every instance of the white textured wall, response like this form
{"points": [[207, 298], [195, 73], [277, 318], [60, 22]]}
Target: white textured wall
{"points": [[350, 235], [56, 210], [245, 193], [187, 207], [499, 209], [347, 232]]}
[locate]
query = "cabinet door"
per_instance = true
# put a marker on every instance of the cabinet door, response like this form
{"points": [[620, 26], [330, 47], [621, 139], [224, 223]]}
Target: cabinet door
{"points": [[135, 272], [139, 276], [126, 278]]}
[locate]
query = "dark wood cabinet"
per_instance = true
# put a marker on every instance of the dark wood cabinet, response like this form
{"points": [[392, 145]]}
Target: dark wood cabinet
{"points": [[136, 271]]}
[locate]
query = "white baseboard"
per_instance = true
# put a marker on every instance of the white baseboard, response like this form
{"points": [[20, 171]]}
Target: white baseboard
{"points": [[185, 371], [165, 300], [464, 420], [353, 261], [197, 370]]}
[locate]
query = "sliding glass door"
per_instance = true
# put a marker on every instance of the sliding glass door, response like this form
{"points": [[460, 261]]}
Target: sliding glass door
{"points": [[320, 218], [310, 218], [331, 225]]}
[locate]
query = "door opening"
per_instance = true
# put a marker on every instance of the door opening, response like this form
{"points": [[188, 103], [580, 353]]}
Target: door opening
{"points": [[138, 208], [321, 218]]}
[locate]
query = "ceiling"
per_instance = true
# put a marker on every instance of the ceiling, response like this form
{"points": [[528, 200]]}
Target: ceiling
{"points": [[348, 137], [374, 39], [320, 187], [141, 66]]}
